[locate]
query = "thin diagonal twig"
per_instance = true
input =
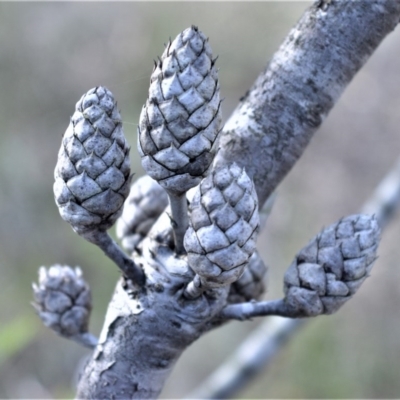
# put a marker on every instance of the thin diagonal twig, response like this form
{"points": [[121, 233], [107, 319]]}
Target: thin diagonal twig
{"points": [[111, 249]]}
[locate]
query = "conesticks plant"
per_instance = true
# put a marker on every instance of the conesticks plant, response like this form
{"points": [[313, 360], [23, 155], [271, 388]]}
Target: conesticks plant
{"points": [[190, 227]]}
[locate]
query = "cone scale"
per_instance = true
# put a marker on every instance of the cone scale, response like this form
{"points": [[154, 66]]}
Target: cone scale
{"points": [[180, 122]]}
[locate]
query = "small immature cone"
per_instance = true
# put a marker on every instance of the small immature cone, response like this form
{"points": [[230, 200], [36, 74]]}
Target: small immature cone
{"points": [[251, 285], [145, 203], [92, 174], [331, 268], [63, 300], [181, 118], [223, 227]]}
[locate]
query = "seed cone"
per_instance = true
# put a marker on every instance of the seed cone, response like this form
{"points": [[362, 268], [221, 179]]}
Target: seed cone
{"points": [[63, 300], [251, 285], [223, 226], [145, 203], [331, 268], [92, 174], [181, 118]]}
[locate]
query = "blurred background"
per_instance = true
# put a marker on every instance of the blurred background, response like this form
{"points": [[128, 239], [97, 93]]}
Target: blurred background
{"points": [[52, 53]]}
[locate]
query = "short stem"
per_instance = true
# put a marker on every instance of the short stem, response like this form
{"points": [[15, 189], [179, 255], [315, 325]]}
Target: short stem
{"points": [[180, 219], [116, 254], [86, 339], [194, 289], [243, 311]]}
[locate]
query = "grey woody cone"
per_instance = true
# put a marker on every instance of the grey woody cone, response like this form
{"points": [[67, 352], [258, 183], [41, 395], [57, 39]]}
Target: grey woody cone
{"points": [[181, 118], [331, 268], [223, 227], [145, 203], [251, 285], [92, 175], [63, 300]]}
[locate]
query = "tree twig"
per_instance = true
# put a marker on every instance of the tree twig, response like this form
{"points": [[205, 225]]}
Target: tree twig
{"points": [[385, 200], [266, 134], [243, 311], [276, 119], [251, 357], [116, 254]]}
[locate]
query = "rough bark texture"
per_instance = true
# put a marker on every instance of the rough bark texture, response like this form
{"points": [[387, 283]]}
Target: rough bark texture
{"points": [[146, 330], [276, 119]]}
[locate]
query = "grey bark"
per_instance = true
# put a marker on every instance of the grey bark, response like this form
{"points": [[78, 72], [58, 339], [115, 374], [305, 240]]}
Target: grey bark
{"points": [[276, 119], [147, 329]]}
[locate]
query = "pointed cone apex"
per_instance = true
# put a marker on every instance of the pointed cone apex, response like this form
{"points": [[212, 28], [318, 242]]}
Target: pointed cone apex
{"points": [[187, 76], [331, 268], [94, 144], [63, 300]]}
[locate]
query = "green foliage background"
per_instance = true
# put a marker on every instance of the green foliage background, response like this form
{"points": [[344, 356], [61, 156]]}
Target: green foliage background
{"points": [[51, 53]]}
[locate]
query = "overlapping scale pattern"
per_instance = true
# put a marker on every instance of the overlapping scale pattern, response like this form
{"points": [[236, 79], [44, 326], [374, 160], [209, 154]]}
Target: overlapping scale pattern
{"points": [[223, 227], [92, 174], [251, 285], [181, 119], [63, 300], [145, 203], [331, 268]]}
